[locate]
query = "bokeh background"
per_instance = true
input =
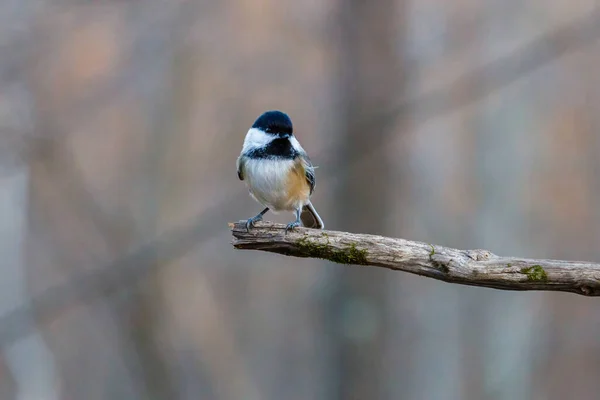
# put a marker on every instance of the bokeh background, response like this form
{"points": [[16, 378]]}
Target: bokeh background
{"points": [[470, 124]]}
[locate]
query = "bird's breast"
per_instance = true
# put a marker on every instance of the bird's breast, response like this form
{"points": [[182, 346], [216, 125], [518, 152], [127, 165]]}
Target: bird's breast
{"points": [[278, 184]]}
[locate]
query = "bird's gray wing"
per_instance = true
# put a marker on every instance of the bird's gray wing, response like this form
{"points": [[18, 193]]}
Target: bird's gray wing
{"points": [[309, 171], [240, 167]]}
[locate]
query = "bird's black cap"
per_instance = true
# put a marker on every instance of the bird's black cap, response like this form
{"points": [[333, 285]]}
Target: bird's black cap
{"points": [[275, 122]]}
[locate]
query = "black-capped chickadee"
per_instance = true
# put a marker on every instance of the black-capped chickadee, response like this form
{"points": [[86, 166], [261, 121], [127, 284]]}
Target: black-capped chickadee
{"points": [[277, 170]]}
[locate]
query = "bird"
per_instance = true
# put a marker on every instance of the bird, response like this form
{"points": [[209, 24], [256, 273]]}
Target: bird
{"points": [[277, 171]]}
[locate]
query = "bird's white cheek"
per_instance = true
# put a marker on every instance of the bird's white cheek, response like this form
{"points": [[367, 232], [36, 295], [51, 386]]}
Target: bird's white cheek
{"points": [[255, 138]]}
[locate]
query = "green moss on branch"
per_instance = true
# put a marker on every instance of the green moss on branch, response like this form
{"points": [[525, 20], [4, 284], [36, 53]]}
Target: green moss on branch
{"points": [[535, 273], [348, 255]]}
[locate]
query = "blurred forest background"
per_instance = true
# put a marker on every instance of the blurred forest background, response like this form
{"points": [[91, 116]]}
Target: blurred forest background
{"points": [[471, 124]]}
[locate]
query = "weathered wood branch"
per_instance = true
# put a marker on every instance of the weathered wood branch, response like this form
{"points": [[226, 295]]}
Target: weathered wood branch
{"points": [[467, 267]]}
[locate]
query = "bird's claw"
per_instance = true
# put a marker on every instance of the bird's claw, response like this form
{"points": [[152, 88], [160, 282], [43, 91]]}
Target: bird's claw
{"points": [[251, 221], [291, 226]]}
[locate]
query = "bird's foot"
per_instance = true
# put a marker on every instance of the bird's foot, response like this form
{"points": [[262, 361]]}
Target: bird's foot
{"points": [[251, 221], [291, 226]]}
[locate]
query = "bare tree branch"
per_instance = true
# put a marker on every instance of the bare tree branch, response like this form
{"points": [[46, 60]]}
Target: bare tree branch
{"points": [[467, 267]]}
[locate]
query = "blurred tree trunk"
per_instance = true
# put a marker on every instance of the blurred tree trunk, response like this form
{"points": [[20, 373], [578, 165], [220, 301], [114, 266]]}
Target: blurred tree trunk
{"points": [[28, 360], [370, 79], [141, 318]]}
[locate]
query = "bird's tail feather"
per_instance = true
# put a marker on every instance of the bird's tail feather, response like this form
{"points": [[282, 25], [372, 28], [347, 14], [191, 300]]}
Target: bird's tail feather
{"points": [[310, 218]]}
